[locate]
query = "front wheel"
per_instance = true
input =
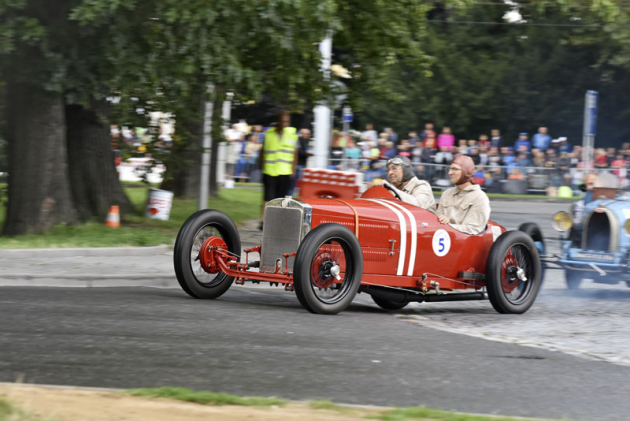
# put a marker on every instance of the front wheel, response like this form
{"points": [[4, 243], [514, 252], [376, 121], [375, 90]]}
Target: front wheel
{"points": [[513, 273], [328, 269], [205, 227]]}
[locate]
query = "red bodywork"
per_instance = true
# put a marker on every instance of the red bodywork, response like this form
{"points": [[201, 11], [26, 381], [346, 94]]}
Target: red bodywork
{"points": [[386, 260]]}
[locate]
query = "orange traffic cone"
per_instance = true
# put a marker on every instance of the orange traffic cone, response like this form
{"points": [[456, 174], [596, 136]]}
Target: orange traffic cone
{"points": [[113, 217]]}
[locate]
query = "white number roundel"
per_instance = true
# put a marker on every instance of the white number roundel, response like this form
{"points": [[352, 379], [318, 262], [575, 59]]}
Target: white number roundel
{"points": [[441, 243]]}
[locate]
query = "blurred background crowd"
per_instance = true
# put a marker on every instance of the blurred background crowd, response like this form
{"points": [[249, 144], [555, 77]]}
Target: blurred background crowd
{"points": [[541, 163]]}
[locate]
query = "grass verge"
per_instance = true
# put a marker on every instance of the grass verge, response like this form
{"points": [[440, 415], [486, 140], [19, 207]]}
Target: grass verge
{"points": [[421, 413], [206, 398], [136, 229], [330, 406], [9, 412]]}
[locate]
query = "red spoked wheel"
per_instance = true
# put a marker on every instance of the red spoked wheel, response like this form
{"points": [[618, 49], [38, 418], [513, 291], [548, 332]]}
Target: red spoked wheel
{"points": [[328, 269], [327, 266], [513, 273], [194, 257], [208, 252], [509, 278]]}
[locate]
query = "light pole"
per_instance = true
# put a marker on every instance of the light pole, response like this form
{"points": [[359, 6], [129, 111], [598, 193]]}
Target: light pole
{"points": [[590, 126], [322, 111], [207, 143]]}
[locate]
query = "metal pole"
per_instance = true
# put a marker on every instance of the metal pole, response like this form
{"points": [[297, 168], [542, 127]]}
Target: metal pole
{"points": [[322, 111], [590, 125], [347, 118], [205, 155]]}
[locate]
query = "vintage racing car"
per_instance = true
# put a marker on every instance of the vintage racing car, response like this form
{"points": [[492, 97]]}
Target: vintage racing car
{"points": [[595, 239], [328, 250]]}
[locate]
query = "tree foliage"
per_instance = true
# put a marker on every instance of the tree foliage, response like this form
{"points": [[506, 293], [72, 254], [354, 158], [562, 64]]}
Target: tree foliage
{"points": [[518, 76], [157, 55]]}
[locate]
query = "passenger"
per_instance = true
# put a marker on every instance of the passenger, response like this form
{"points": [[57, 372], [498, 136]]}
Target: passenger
{"points": [[465, 207], [403, 180]]}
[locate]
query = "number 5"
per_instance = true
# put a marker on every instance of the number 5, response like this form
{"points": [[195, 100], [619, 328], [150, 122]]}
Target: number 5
{"points": [[441, 243]]}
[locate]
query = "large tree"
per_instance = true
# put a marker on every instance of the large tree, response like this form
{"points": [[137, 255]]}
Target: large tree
{"points": [[159, 52], [56, 91]]}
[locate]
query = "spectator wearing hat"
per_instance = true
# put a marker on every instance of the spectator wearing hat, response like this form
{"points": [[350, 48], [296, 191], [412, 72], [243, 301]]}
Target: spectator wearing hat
{"points": [[541, 140], [523, 140], [564, 145]]}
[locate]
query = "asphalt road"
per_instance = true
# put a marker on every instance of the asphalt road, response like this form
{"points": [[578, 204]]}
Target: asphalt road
{"points": [[259, 341]]}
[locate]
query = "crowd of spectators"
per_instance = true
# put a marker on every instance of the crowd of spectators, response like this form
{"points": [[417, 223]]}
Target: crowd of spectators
{"points": [[540, 160]]}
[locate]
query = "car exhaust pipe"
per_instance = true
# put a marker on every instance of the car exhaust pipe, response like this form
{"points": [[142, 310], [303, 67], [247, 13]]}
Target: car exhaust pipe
{"points": [[402, 296]]}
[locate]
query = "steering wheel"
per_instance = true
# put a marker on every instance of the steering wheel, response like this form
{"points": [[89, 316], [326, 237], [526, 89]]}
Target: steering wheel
{"points": [[394, 192]]}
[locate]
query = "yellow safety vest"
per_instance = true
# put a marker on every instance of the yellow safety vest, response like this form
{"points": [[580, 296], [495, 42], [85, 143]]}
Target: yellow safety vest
{"points": [[278, 152]]}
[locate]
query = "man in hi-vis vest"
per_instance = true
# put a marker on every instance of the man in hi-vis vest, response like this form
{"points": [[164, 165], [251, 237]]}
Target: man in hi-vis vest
{"points": [[278, 158]]}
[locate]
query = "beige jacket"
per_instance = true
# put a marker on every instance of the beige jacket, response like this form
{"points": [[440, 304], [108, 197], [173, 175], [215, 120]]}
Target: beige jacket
{"points": [[467, 210], [419, 193]]}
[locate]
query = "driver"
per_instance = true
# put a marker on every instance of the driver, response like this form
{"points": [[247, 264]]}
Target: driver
{"points": [[410, 189], [465, 207]]}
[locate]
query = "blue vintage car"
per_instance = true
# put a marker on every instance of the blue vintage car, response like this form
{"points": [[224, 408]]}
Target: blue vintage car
{"points": [[595, 239]]}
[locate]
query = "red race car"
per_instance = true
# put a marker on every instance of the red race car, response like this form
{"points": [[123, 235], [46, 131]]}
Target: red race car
{"points": [[328, 250]]}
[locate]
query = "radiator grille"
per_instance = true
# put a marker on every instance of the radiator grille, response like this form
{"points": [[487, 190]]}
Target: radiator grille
{"points": [[281, 234], [598, 233]]}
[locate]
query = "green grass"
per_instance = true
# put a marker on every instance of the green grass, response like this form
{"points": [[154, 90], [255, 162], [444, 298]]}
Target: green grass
{"points": [[421, 413], [206, 398], [330, 406], [9, 412], [137, 230]]}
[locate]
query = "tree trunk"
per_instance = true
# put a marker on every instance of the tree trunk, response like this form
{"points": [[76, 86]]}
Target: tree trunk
{"points": [[39, 185], [93, 176], [183, 166]]}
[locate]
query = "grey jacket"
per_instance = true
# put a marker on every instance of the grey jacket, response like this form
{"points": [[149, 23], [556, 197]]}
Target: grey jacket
{"points": [[468, 210]]}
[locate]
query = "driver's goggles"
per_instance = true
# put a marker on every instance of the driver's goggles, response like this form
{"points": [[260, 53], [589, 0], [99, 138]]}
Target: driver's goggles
{"points": [[395, 161]]}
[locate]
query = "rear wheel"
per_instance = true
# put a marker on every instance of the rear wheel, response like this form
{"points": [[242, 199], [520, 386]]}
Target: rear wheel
{"points": [[328, 269], [204, 228], [389, 305], [513, 273], [574, 279]]}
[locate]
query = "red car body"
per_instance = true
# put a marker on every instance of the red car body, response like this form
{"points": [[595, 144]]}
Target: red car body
{"points": [[394, 251]]}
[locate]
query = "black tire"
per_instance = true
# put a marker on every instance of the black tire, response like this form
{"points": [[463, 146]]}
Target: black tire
{"points": [[389, 305], [191, 277], [508, 293], [573, 278], [326, 247], [533, 230]]}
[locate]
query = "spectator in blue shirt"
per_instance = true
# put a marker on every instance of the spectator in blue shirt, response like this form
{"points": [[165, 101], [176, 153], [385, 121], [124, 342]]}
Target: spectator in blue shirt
{"points": [[522, 141], [541, 140]]}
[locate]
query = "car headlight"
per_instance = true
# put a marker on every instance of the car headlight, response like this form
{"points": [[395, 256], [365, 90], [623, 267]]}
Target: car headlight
{"points": [[626, 227], [562, 221]]}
